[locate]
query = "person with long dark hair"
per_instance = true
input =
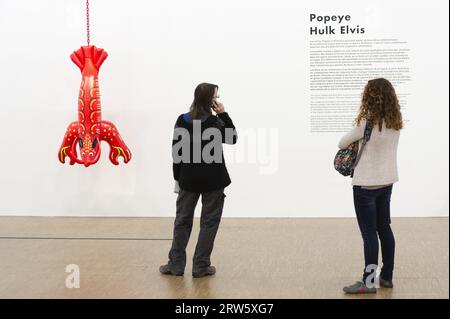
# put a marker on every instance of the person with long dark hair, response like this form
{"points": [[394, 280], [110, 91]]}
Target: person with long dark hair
{"points": [[199, 170], [373, 180]]}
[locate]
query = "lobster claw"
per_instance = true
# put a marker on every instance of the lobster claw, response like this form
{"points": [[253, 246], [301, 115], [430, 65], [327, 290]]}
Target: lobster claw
{"points": [[110, 134], [68, 145]]}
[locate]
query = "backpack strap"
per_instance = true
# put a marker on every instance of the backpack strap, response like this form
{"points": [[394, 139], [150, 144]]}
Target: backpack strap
{"points": [[365, 139], [367, 133], [187, 117]]}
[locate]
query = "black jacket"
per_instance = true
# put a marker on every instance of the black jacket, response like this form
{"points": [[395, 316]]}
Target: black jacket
{"points": [[201, 176]]}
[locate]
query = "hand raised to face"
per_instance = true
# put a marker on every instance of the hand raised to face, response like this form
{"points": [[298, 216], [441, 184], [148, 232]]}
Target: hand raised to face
{"points": [[218, 107]]}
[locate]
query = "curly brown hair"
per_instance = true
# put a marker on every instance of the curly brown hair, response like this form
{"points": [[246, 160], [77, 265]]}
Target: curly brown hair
{"points": [[380, 104]]}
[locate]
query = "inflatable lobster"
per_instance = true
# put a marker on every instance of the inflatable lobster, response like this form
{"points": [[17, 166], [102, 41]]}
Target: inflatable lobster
{"points": [[90, 130]]}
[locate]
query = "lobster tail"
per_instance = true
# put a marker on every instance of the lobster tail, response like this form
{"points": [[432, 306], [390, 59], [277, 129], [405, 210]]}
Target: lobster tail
{"points": [[91, 53]]}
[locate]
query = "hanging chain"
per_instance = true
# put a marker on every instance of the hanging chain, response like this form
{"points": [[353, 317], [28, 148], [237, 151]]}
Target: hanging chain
{"points": [[88, 35]]}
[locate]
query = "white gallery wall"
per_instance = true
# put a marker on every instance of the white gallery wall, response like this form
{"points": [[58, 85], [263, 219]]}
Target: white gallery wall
{"points": [[257, 51]]}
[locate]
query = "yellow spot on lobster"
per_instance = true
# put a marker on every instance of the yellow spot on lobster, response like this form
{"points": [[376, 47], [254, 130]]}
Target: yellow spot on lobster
{"points": [[63, 153], [93, 127], [92, 115], [120, 152], [92, 93], [92, 103]]}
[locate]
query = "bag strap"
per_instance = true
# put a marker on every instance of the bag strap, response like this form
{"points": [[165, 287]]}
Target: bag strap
{"points": [[365, 139]]}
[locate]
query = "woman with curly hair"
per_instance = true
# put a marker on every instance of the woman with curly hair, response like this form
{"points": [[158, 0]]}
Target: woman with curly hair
{"points": [[373, 178]]}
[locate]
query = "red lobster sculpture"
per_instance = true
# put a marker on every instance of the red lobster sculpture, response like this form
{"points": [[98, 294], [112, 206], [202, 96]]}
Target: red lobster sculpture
{"points": [[90, 130]]}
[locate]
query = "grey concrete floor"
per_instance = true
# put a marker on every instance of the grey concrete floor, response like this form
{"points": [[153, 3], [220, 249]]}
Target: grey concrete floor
{"points": [[255, 258]]}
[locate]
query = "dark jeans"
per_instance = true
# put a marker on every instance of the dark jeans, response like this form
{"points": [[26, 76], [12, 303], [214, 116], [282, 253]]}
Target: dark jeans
{"points": [[374, 219], [212, 206]]}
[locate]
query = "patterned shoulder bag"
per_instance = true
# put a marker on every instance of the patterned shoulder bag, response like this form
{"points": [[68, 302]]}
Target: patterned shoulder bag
{"points": [[346, 160]]}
